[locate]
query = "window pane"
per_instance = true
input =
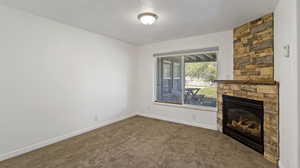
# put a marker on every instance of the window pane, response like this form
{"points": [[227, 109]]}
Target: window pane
{"points": [[169, 86], [200, 73]]}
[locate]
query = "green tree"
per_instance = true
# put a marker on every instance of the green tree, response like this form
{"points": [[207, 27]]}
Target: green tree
{"points": [[206, 71]]}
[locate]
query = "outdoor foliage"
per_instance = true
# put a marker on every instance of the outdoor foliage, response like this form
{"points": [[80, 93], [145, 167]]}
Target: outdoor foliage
{"points": [[206, 71], [209, 92]]}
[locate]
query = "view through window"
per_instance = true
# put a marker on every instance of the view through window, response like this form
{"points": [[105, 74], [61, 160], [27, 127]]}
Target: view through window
{"points": [[187, 79], [169, 86]]}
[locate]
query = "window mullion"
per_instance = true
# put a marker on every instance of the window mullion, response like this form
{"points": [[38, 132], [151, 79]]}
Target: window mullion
{"points": [[182, 79]]}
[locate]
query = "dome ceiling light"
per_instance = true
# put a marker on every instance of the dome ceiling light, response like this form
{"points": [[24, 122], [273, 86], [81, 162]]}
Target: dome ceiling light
{"points": [[147, 18]]}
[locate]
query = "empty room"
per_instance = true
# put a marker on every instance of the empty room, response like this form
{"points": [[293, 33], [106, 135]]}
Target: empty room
{"points": [[149, 84]]}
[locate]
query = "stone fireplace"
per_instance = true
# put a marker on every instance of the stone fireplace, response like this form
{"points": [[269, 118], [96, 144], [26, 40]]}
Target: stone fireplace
{"points": [[248, 106]]}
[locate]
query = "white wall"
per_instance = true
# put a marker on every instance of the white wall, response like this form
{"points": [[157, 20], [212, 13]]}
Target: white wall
{"points": [[56, 80], [287, 74], [146, 71], [298, 28]]}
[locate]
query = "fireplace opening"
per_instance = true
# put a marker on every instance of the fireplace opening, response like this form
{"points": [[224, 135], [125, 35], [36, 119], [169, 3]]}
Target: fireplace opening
{"points": [[243, 121]]}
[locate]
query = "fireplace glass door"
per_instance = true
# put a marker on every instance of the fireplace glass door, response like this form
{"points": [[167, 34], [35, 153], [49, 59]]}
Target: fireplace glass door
{"points": [[243, 120]]}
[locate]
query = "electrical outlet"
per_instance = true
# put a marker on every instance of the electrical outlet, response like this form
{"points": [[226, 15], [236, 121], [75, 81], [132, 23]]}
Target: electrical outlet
{"points": [[96, 118], [194, 117], [149, 108]]}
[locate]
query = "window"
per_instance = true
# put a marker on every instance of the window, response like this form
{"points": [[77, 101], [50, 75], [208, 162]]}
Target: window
{"points": [[169, 85], [187, 79]]}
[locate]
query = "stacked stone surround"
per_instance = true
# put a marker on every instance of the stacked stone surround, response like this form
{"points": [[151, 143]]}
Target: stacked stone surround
{"points": [[253, 50], [254, 78]]}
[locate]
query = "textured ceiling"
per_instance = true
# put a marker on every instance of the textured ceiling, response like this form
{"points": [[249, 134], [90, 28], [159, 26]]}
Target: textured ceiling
{"points": [[177, 18]]}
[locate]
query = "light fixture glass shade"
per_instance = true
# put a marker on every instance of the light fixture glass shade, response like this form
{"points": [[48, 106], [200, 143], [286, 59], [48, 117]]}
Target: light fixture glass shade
{"points": [[147, 18]]}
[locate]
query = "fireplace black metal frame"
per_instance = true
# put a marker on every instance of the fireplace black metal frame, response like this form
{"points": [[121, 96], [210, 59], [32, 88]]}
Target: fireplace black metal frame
{"points": [[249, 104]]}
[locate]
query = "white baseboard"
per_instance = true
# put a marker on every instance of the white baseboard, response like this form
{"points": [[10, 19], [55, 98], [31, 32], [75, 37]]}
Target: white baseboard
{"points": [[195, 124], [60, 138]]}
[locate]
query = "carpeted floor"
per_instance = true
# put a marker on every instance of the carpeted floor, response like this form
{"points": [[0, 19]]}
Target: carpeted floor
{"points": [[141, 142]]}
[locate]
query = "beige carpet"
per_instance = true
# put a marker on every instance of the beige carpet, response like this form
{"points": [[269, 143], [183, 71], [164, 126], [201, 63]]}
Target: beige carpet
{"points": [[141, 142]]}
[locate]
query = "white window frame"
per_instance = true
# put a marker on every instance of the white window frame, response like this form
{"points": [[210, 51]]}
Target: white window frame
{"points": [[182, 54]]}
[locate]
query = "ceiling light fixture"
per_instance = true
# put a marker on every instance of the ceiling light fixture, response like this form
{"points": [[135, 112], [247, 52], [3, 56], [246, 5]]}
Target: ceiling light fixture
{"points": [[147, 18]]}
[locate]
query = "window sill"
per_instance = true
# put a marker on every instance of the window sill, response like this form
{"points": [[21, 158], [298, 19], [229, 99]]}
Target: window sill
{"points": [[193, 107]]}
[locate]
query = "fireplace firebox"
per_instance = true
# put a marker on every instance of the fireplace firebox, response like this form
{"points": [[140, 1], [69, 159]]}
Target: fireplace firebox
{"points": [[243, 120]]}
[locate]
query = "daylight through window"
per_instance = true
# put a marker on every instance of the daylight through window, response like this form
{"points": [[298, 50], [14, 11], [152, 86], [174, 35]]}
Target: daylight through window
{"points": [[187, 79]]}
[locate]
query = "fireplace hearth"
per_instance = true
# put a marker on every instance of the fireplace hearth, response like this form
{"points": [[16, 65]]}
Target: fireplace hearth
{"points": [[243, 120]]}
